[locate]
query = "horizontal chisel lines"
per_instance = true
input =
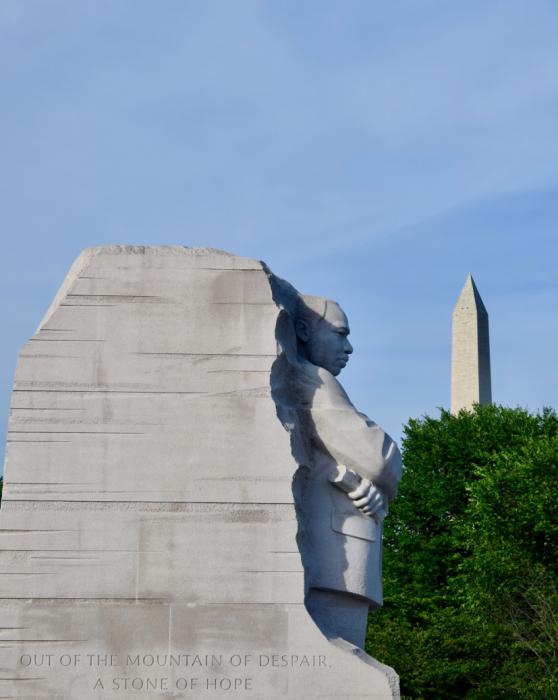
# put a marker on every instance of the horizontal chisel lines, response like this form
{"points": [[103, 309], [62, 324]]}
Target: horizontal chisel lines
{"points": [[275, 510]]}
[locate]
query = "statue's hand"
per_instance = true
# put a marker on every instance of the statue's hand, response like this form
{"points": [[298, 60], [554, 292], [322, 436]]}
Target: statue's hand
{"points": [[370, 500]]}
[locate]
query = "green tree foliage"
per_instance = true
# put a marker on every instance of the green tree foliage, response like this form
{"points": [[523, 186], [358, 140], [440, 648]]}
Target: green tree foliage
{"points": [[471, 559]]}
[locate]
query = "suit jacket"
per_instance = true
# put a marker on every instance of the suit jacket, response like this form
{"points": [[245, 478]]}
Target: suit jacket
{"points": [[339, 545]]}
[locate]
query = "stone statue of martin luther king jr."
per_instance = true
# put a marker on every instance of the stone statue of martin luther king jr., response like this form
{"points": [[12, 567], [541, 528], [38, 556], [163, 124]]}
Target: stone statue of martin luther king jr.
{"points": [[348, 471]]}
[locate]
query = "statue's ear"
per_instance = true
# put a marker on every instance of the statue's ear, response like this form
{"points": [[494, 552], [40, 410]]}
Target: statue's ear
{"points": [[302, 330]]}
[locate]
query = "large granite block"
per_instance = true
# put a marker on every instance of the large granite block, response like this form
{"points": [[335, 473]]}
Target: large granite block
{"points": [[148, 525]]}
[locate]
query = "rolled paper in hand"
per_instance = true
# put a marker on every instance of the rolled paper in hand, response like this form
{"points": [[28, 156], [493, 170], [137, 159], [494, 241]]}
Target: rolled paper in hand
{"points": [[345, 479]]}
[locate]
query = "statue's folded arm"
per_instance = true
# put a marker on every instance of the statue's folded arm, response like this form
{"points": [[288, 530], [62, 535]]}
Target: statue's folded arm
{"points": [[359, 444]]}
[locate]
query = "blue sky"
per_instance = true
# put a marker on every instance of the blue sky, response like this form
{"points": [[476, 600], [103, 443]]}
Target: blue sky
{"points": [[374, 152]]}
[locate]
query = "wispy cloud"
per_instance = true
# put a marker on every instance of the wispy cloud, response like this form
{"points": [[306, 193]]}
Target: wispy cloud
{"points": [[332, 139]]}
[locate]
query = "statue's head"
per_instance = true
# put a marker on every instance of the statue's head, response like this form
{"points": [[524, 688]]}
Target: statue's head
{"points": [[322, 332]]}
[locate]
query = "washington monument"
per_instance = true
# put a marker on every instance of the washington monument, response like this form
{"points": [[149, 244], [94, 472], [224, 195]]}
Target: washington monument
{"points": [[470, 350]]}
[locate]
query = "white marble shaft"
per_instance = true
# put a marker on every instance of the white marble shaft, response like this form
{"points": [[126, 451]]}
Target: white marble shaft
{"points": [[147, 506], [470, 353]]}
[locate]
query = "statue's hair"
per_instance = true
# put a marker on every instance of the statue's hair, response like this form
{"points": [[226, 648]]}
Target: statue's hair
{"points": [[299, 307], [311, 309]]}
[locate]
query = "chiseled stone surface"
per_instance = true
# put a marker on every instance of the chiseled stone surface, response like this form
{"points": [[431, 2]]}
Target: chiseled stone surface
{"points": [[470, 353], [147, 528]]}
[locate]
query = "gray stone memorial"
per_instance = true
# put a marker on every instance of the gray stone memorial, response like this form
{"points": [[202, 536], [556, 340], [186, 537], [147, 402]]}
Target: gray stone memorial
{"points": [[192, 505]]}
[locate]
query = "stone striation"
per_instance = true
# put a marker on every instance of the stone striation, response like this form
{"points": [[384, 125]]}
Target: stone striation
{"points": [[470, 355], [147, 528]]}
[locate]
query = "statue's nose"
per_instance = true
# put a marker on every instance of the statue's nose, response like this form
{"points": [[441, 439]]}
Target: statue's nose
{"points": [[348, 348]]}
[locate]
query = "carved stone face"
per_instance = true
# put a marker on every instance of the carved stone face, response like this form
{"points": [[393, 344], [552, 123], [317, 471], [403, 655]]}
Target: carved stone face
{"points": [[326, 343]]}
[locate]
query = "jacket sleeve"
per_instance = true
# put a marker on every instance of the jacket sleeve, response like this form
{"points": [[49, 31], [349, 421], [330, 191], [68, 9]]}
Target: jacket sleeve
{"points": [[352, 439]]}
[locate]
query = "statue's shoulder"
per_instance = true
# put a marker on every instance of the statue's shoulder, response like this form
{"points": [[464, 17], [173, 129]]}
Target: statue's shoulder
{"points": [[303, 384], [331, 393], [294, 383]]}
